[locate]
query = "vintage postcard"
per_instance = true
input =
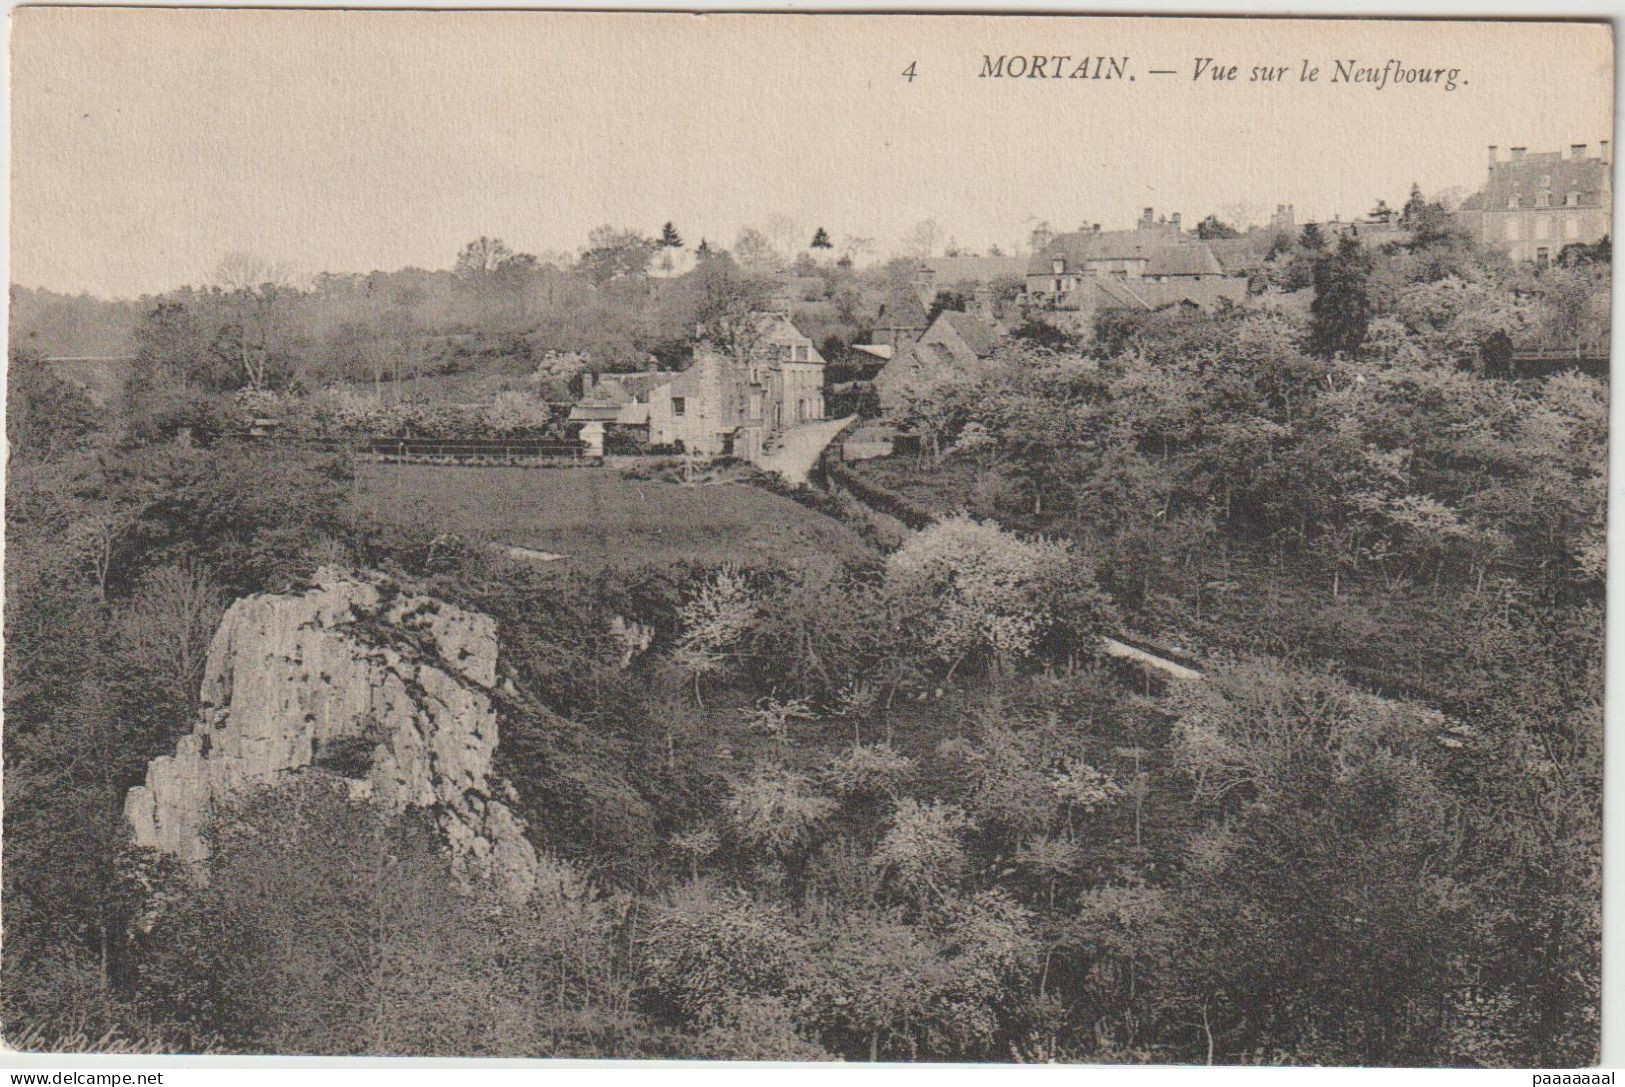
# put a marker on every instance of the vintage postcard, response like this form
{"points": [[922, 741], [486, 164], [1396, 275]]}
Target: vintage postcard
{"points": [[900, 538]]}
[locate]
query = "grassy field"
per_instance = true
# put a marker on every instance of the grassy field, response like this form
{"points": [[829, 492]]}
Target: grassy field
{"points": [[596, 517]]}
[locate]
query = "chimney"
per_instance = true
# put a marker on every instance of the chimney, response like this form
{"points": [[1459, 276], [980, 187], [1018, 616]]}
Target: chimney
{"points": [[1517, 153], [1175, 221], [1493, 150], [1577, 150], [1146, 218]]}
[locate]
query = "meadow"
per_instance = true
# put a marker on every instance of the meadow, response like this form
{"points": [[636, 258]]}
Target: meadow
{"points": [[597, 517]]}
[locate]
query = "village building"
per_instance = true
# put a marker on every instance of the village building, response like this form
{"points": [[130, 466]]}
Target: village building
{"points": [[1377, 227], [721, 404], [1152, 266], [901, 318], [1532, 205], [1248, 254], [618, 399], [968, 274], [956, 345]]}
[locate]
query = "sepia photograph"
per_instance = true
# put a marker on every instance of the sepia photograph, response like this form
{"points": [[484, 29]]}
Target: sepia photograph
{"points": [[929, 538]]}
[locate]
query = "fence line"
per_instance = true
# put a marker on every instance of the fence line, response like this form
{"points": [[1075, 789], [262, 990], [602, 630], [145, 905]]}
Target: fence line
{"points": [[462, 452]]}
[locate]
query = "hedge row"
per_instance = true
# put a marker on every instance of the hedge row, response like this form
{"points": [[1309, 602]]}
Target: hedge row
{"points": [[884, 499]]}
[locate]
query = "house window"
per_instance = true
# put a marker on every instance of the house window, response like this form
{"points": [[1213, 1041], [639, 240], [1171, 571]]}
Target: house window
{"points": [[1512, 232], [1543, 227], [679, 405], [1543, 256], [1571, 228], [801, 353]]}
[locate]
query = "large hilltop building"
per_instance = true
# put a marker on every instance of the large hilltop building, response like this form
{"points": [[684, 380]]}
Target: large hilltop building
{"points": [[1534, 204], [1154, 265]]}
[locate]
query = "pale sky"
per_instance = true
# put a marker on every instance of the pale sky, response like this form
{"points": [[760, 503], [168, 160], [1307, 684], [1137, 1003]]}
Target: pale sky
{"points": [[149, 143]]}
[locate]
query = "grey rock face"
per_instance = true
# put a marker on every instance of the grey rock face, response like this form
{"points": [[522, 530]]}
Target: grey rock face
{"points": [[391, 693]]}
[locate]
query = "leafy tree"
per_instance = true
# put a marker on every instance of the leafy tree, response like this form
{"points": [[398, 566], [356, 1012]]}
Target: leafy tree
{"points": [[46, 416], [775, 813], [613, 256], [921, 852], [709, 950], [755, 253], [1341, 310], [713, 624], [481, 259], [1415, 205], [976, 590], [1213, 228], [340, 933]]}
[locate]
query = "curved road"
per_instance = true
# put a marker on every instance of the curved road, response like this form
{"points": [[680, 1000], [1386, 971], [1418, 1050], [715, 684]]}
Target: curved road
{"points": [[800, 446]]}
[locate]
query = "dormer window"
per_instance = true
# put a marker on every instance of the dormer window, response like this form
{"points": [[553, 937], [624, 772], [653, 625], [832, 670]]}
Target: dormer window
{"points": [[1543, 199], [1058, 265], [1513, 202], [1571, 200]]}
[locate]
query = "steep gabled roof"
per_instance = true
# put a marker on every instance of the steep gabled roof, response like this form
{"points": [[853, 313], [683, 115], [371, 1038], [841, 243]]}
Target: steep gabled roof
{"points": [[901, 309], [1242, 254], [776, 328], [1155, 247], [1184, 259], [978, 335]]}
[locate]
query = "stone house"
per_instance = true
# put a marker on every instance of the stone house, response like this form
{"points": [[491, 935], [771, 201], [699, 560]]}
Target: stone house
{"points": [[724, 405], [618, 399], [956, 345], [1154, 265], [1532, 205]]}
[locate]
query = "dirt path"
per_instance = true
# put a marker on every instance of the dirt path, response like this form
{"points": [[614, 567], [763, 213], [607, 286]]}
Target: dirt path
{"points": [[800, 447]]}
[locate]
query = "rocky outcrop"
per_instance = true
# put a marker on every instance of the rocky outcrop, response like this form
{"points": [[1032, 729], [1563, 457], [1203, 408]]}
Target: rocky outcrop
{"points": [[391, 693]]}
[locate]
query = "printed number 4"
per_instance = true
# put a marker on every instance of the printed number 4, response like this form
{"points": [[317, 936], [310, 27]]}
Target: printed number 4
{"points": [[909, 73]]}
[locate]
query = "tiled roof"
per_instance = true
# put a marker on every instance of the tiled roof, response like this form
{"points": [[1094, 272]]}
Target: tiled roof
{"points": [[978, 335], [901, 309], [951, 270], [1079, 248], [1188, 259], [1523, 177], [1150, 294], [1240, 254], [622, 388]]}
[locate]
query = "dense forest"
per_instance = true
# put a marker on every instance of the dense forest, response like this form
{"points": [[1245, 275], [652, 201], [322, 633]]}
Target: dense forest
{"points": [[895, 805]]}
